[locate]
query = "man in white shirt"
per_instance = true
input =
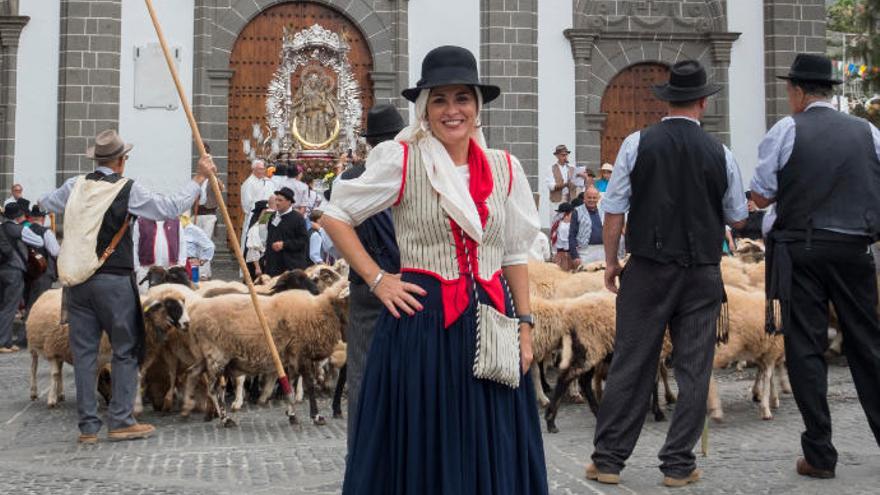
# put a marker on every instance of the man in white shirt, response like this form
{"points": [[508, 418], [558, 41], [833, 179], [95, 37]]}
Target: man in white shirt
{"points": [[560, 184], [257, 187]]}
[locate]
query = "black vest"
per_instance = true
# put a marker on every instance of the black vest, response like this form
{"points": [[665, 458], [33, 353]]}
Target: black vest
{"points": [[376, 234], [121, 262], [832, 180], [678, 184], [19, 255]]}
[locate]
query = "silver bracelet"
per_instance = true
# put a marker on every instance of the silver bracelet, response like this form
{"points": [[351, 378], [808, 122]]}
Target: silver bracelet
{"points": [[376, 281]]}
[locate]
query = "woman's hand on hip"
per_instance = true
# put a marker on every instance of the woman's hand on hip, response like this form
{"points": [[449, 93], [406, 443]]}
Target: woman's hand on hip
{"points": [[396, 295]]}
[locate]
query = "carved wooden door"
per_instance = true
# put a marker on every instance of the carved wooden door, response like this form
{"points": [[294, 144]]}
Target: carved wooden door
{"points": [[630, 105], [255, 57]]}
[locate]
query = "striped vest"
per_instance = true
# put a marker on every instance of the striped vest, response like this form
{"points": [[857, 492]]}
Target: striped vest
{"points": [[424, 231]]}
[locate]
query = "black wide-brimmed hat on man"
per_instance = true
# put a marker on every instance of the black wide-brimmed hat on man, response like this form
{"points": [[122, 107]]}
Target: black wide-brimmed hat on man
{"points": [[687, 82], [287, 193], [450, 65], [808, 67], [382, 120], [108, 146], [13, 211]]}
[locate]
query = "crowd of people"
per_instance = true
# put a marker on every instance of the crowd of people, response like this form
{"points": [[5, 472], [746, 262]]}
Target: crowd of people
{"points": [[437, 228]]}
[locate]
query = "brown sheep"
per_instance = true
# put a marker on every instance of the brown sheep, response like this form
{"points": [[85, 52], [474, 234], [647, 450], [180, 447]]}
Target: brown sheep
{"points": [[224, 332]]}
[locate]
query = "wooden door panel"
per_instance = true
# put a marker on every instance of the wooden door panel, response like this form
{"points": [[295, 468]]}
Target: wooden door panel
{"points": [[255, 57], [630, 105]]}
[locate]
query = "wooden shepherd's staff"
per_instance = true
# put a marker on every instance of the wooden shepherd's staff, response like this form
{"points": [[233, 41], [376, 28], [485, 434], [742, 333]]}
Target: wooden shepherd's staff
{"points": [[230, 229]]}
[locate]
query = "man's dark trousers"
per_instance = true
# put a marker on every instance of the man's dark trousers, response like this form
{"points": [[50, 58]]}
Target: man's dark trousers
{"points": [[844, 274], [365, 309], [653, 296], [104, 303]]}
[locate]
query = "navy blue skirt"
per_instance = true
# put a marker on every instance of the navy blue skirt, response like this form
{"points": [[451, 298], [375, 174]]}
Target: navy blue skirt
{"points": [[426, 426]]}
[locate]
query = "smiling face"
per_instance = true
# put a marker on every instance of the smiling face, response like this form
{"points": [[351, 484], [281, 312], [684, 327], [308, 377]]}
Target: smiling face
{"points": [[452, 114]]}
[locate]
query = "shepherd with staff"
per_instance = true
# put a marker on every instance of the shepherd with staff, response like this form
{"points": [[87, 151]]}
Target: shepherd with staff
{"points": [[96, 264]]}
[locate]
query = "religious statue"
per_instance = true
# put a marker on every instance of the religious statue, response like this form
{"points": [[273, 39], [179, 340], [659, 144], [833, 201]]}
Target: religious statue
{"points": [[316, 113]]}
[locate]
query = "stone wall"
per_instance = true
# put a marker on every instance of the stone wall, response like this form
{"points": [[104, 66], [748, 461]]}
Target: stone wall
{"points": [[88, 95], [11, 25], [790, 27], [509, 59]]}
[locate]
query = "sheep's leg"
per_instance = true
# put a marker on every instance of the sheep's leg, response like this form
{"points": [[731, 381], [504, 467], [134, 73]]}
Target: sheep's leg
{"points": [[766, 378], [586, 383], [267, 387], [35, 364], [757, 385], [562, 382], [299, 388], [52, 399], [715, 411], [138, 399], [539, 389], [546, 388], [168, 400], [574, 393], [58, 378], [667, 389], [217, 393], [655, 400], [784, 383], [774, 393], [337, 394], [189, 402], [239, 393], [311, 389]]}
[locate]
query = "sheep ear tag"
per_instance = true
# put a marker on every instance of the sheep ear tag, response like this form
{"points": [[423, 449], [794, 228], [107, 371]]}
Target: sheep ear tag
{"points": [[150, 306]]}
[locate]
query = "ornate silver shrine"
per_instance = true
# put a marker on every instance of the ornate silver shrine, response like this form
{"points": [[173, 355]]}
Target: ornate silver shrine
{"points": [[313, 105]]}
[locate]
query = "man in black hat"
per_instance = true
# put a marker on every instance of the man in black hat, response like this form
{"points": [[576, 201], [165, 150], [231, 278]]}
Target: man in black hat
{"points": [[680, 186], [377, 235], [13, 265], [96, 267], [819, 248], [49, 251], [287, 240]]}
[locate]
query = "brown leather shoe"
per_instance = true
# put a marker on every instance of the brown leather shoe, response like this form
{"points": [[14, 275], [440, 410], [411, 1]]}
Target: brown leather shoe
{"points": [[805, 469], [594, 474], [680, 482], [133, 432], [87, 438], [6, 350]]}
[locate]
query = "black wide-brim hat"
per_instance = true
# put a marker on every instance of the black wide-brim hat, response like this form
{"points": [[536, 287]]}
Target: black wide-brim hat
{"points": [[687, 82], [287, 193], [383, 119], [449, 65], [808, 67]]}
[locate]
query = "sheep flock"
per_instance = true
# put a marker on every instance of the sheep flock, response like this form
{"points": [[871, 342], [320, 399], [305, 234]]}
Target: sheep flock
{"points": [[204, 342]]}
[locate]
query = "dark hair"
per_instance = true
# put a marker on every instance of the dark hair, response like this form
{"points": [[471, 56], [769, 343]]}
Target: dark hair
{"points": [[825, 90], [315, 215], [381, 138]]}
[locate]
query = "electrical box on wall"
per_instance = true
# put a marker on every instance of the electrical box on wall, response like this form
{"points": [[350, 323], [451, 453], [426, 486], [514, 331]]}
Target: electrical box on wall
{"points": [[153, 86]]}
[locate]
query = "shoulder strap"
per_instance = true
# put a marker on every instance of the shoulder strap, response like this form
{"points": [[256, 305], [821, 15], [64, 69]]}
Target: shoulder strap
{"points": [[116, 238]]}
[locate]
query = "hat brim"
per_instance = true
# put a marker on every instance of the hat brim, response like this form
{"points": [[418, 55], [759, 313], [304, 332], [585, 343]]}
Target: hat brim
{"points": [[666, 92], [833, 82], [90, 153], [489, 91]]}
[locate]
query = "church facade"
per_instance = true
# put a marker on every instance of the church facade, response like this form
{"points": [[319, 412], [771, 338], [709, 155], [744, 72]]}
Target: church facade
{"points": [[574, 72]]}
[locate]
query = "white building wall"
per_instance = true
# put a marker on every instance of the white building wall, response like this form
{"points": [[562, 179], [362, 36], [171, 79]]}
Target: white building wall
{"points": [[434, 23], [36, 116], [747, 105], [161, 159], [556, 93]]}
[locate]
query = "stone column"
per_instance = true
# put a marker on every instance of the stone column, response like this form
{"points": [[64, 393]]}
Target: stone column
{"points": [[721, 45], [88, 86], [588, 122], [790, 27], [509, 59], [10, 31]]}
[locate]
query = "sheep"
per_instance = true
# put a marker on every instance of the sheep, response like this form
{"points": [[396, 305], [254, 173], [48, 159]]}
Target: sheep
{"points": [[48, 337], [324, 275], [549, 281], [224, 332], [749, 340], [552, 331]]}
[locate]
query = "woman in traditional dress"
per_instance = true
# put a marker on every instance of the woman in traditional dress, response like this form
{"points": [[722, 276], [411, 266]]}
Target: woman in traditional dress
{"points": [[426, 424]]}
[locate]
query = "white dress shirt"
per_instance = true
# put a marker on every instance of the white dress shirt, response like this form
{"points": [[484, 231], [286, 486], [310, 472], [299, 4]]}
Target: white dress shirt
{"points": [[616, 199]]}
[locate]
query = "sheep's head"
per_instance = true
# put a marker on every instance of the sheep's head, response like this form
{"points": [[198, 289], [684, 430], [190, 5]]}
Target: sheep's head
{"points": [[178, 275], [295, 279], [166, 313], [155, 275], [323, 276]]}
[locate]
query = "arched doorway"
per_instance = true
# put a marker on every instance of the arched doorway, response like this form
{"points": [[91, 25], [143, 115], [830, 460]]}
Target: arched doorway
{"points": [[255, 57], [630, 105]]}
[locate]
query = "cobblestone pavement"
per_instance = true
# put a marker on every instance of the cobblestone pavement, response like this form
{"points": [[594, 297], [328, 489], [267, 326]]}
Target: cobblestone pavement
{"points": [[39, 455]]}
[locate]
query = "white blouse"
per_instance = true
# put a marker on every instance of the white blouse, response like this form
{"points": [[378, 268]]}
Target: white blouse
{"points": [[377, 188]]}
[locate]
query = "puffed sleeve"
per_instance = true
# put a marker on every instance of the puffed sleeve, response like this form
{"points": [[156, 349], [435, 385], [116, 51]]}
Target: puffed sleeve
{"points": [[522, 223], [356, 200]]}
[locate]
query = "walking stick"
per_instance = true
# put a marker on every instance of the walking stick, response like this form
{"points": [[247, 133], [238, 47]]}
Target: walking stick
{"points": [[233, 238]]}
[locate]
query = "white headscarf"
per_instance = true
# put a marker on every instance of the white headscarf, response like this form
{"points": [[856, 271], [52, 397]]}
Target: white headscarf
{"points": [[455, 200]]}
